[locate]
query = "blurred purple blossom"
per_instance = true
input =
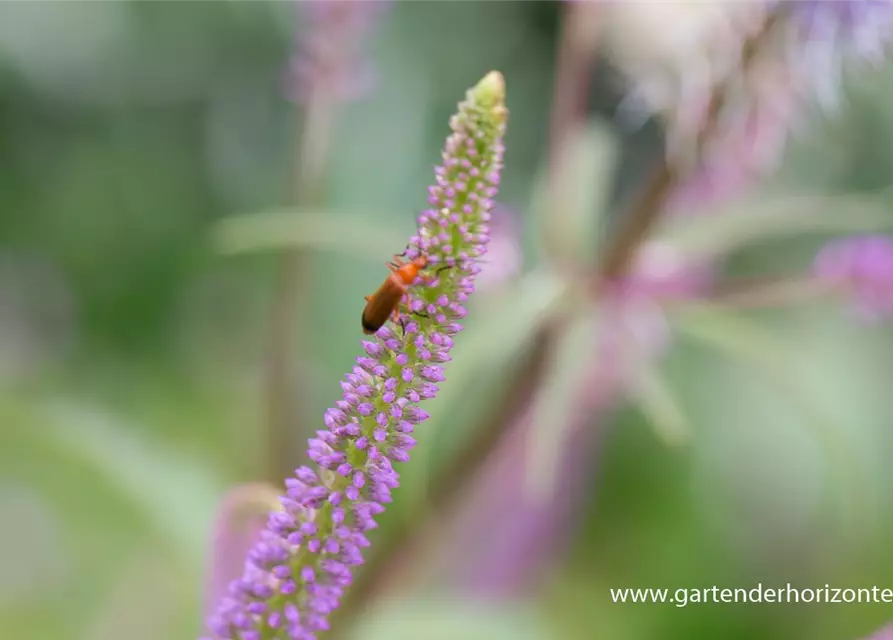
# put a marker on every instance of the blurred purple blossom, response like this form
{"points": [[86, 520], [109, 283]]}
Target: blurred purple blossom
{"points": [[824, 35], [661, 271], [749, 142], [296, 574], [819, 38], [243, 512], [861, 266], [504, 255], [633, 326], [885, 633], [633, 323], [768, 62], [328, 56], [862, 28]]}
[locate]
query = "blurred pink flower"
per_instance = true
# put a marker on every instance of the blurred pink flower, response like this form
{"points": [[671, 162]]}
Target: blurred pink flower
{"points": [[862, 268], [749, 141], [825, 34], [504, 256], [768, 62], [661, 271], [633, 325], [328, 58], [243, 513], [885, 633]]}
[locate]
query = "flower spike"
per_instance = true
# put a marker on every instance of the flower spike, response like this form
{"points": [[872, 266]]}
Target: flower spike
{"points": [[296, 574]]}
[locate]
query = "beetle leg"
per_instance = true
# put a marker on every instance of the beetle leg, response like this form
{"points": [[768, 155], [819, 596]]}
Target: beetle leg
{"points": [[428, 277], [421, 314], [405, 303]]}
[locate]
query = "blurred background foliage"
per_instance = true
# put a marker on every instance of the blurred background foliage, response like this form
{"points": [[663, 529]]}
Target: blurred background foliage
{"points": [[130, 346]]}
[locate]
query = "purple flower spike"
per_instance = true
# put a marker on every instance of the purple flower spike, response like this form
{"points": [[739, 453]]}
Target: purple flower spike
{"points": [[328, 59], [301, 564], [863, 267]]}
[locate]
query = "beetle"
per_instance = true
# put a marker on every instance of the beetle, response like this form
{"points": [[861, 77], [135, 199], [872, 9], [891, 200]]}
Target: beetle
{"points": [[385, 302]]}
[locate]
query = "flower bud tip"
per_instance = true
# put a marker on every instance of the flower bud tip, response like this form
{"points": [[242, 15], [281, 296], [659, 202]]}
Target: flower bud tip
{"points": [[490, 91]]}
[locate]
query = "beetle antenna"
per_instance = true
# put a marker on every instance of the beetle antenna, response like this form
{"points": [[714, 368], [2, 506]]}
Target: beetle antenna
{"points": [[412, 246]]}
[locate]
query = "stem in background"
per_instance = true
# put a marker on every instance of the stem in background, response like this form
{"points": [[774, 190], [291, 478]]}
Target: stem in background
{"points": [[311, 160], [572, 73], [763, 293], [576, 52], [639, 222], [393, 553], [622, 250]]}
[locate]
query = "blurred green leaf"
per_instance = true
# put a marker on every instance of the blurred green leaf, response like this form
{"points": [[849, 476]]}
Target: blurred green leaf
{"points": [[652, 394], [295, 228], [482, 356], [747, 342], [176, 495], [447, 619], [557, 401], [720, 232], [569, 199]]}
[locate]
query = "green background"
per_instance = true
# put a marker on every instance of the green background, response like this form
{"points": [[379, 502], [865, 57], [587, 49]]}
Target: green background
{"points": [[131, 349]]}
